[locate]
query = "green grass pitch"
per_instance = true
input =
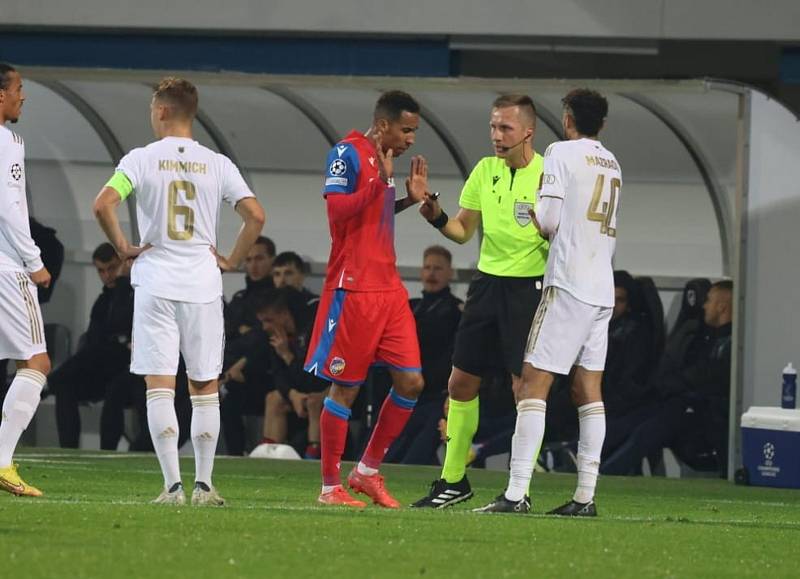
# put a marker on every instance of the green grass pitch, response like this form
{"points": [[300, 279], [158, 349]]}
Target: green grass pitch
{"points": [[95, 521]]}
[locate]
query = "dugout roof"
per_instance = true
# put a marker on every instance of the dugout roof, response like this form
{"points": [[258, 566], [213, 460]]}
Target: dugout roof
{"points": [[676, 141]]}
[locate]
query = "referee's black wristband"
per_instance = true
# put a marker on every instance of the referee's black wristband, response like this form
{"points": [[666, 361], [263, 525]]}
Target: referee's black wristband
{"points": [[440, 221]]}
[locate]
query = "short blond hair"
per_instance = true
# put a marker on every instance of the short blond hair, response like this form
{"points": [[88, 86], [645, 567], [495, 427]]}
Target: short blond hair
{"points": [[523, 101], [179, 94]]}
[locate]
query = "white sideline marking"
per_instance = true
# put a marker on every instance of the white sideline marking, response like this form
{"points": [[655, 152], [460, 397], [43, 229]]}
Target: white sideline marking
{"points": [[51, 461], [75, 465], [44, 455], [86, 455]]}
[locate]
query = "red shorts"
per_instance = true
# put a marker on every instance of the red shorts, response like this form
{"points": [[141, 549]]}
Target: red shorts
{"points": [[356, 330]]}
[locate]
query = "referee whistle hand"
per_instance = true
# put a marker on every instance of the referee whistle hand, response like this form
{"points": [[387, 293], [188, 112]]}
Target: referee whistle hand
{"points": [[41, 277], [429, 208]]}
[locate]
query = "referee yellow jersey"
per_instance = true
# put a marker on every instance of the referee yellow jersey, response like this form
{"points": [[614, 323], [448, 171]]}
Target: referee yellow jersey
{"points": [[511, 245]]}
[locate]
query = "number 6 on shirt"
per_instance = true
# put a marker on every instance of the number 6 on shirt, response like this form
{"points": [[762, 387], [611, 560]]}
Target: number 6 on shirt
{"points": [[183, 210]]}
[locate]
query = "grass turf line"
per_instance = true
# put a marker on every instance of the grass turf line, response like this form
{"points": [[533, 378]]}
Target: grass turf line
{"points": [[96, 521]]}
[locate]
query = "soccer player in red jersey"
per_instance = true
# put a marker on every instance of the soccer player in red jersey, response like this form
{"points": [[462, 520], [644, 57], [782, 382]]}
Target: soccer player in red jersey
{"points": [[363, 317]]}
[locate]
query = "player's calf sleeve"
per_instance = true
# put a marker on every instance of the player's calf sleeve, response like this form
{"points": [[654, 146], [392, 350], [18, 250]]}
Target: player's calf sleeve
{"points": [[525, 445], [18, 410], [392, 419], [462, 424], [205, 434], [333, 431], [163, 424], [592, 421]]}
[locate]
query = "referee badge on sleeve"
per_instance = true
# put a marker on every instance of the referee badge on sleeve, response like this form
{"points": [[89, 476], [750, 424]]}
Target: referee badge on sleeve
{"points": [[521, 214]]}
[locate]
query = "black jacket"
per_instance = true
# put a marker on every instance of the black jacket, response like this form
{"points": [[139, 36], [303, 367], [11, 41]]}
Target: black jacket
{"points": [[437, 315], [241, 310], [264, 365], [624, 378], [52, 256], [111, 320], [696, 363], [293, 375]]}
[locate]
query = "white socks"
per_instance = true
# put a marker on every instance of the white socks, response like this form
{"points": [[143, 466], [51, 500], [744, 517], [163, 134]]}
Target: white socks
{"points": [[205, 433], [18, 410], [163, 423], [525, 446], [592, 419], [164, 431]]}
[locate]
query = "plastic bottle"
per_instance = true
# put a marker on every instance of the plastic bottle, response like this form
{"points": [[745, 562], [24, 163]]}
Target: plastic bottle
{"points": [[789, 389]]}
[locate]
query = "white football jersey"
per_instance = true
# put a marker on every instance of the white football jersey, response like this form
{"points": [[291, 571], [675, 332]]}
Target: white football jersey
{"points": [[587, 177], [179, 186], [18, 252]]}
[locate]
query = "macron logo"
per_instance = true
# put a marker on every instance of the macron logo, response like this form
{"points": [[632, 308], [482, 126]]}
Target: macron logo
{"points": [[341, 149], [331, 325]]}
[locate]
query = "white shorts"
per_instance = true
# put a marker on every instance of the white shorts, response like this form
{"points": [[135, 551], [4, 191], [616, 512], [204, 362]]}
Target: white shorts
{"points": [[163, 329], [567, 332], [21, 327]]}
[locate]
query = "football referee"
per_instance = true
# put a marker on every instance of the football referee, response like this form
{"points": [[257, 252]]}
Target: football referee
{"points": [[503, 296]]}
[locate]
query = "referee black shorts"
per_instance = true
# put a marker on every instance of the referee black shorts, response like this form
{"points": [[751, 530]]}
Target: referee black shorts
{"points": [[495, 324]]}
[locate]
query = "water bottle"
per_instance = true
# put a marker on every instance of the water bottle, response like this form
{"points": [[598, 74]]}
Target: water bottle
{"points": [[789, 389]]}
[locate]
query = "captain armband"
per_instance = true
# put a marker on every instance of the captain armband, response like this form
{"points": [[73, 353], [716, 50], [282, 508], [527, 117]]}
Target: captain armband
{"points": [[121, 184]]}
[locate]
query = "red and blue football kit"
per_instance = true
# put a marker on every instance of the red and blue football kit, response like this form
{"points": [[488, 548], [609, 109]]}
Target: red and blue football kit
{"points": [[363, 317]]}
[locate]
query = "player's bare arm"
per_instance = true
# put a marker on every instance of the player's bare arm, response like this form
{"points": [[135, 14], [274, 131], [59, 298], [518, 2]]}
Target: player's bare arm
{"points": [[105, 211], [41, 277], [459, 228], [252, 214]]}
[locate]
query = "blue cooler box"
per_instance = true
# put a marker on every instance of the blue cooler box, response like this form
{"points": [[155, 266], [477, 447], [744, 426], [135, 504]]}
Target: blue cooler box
{"points": [[771, 446]]}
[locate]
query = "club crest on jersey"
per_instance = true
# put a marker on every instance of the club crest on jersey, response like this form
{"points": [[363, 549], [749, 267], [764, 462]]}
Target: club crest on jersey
{"points": [[16, 171], [521, 214], [336, 366], [338, 168]]}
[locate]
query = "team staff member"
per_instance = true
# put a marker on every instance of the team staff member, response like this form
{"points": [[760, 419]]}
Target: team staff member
{"points": [[505, 293]]}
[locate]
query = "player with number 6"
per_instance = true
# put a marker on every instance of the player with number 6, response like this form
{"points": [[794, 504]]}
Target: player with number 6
{"points": [[179, 186]]}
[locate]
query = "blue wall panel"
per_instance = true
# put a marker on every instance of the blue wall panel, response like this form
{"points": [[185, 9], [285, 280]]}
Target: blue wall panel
{"points": [[339, 56]]}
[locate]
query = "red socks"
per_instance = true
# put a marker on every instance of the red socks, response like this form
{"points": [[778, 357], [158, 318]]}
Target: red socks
{"points": [[333, 431], [394, 415]]}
